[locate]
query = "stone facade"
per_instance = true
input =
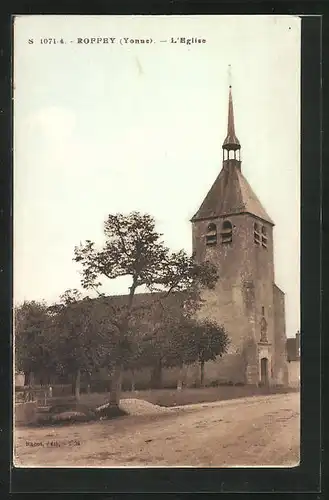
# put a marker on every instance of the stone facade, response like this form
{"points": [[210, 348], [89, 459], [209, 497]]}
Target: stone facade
{"points": [[243, 291], [233, 231], [245, 295]]}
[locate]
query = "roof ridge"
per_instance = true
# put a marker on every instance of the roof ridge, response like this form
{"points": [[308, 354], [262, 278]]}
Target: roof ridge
{"points": [[262, 213]]}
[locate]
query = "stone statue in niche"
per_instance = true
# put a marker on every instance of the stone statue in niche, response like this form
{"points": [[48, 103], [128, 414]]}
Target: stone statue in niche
{"points": [[263, 330]]}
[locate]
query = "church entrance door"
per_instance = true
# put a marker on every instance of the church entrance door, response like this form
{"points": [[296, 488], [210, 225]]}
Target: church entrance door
{"points": [[264, 371]]}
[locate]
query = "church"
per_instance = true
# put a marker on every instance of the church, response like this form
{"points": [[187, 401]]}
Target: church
{"points": [[233, 231]]}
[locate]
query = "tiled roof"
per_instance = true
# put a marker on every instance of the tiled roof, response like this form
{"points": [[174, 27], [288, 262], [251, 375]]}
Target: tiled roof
{"points": [[149, 305], [231, 194], [278, 288]]}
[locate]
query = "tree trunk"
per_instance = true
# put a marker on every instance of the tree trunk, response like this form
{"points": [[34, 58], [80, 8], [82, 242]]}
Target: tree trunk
{"points": [[88, 382], [116, 380], [133, 380], [115, 392], [77, 385], [31, 379], [156, 379], [180, 378], [202, 373], [71, 379], [30, 394]]}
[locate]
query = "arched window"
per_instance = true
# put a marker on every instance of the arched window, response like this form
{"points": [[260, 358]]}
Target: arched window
{"points": [[264, 237], [211, 236], [226, 232], [256, 234]]}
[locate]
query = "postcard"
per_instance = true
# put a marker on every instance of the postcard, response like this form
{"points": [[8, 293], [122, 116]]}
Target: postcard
{"points": [[156, 241]]}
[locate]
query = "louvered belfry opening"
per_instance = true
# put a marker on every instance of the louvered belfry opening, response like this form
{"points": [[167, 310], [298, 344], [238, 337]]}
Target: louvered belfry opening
{"points": [[264, 237], [260, 235], [211, 236], [226, 232], [257, 237]]}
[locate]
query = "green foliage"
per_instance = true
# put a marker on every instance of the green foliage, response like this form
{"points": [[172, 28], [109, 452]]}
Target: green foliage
{"points": [[187, 341], [154, 332], [133, 247], [84, 336], [209, 340], [81, 334], [33, 343]]}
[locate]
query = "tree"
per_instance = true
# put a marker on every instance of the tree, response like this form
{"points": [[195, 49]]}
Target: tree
{"points": [[181, 340], [33, 345], [159, 348], [135, 355], [207, 341], [180, 350], [134, 248], [78, 326]]}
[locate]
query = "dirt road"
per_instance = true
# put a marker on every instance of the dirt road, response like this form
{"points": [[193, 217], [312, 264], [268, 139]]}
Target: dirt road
{"points": [[254, 431]]}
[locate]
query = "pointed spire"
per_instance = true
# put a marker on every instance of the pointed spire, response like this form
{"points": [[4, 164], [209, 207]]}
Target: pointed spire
{"points": [[231, 142]]}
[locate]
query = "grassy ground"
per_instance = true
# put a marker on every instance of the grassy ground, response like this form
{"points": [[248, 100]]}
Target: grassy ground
{"points": [[172, 397]]}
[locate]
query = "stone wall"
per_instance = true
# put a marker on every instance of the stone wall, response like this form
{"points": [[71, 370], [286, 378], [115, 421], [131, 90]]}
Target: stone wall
{"points": [[229, 369], [280, 355], [19, 379], [294, 373], [25, 413]]}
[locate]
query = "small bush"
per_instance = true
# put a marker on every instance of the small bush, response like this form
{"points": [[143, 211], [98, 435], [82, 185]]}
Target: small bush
{"points": [[67, 413], [126, 386], [213, 383], [70, 406], [71, 417], [170, 385], [109, 412], [65, 418]]}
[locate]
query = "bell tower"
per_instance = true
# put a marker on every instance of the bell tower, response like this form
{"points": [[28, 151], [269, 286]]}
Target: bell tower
{"points": [[232, 230]]}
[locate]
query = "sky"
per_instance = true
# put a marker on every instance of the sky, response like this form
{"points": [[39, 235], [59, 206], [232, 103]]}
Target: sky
{"points": [[102, 128]]}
